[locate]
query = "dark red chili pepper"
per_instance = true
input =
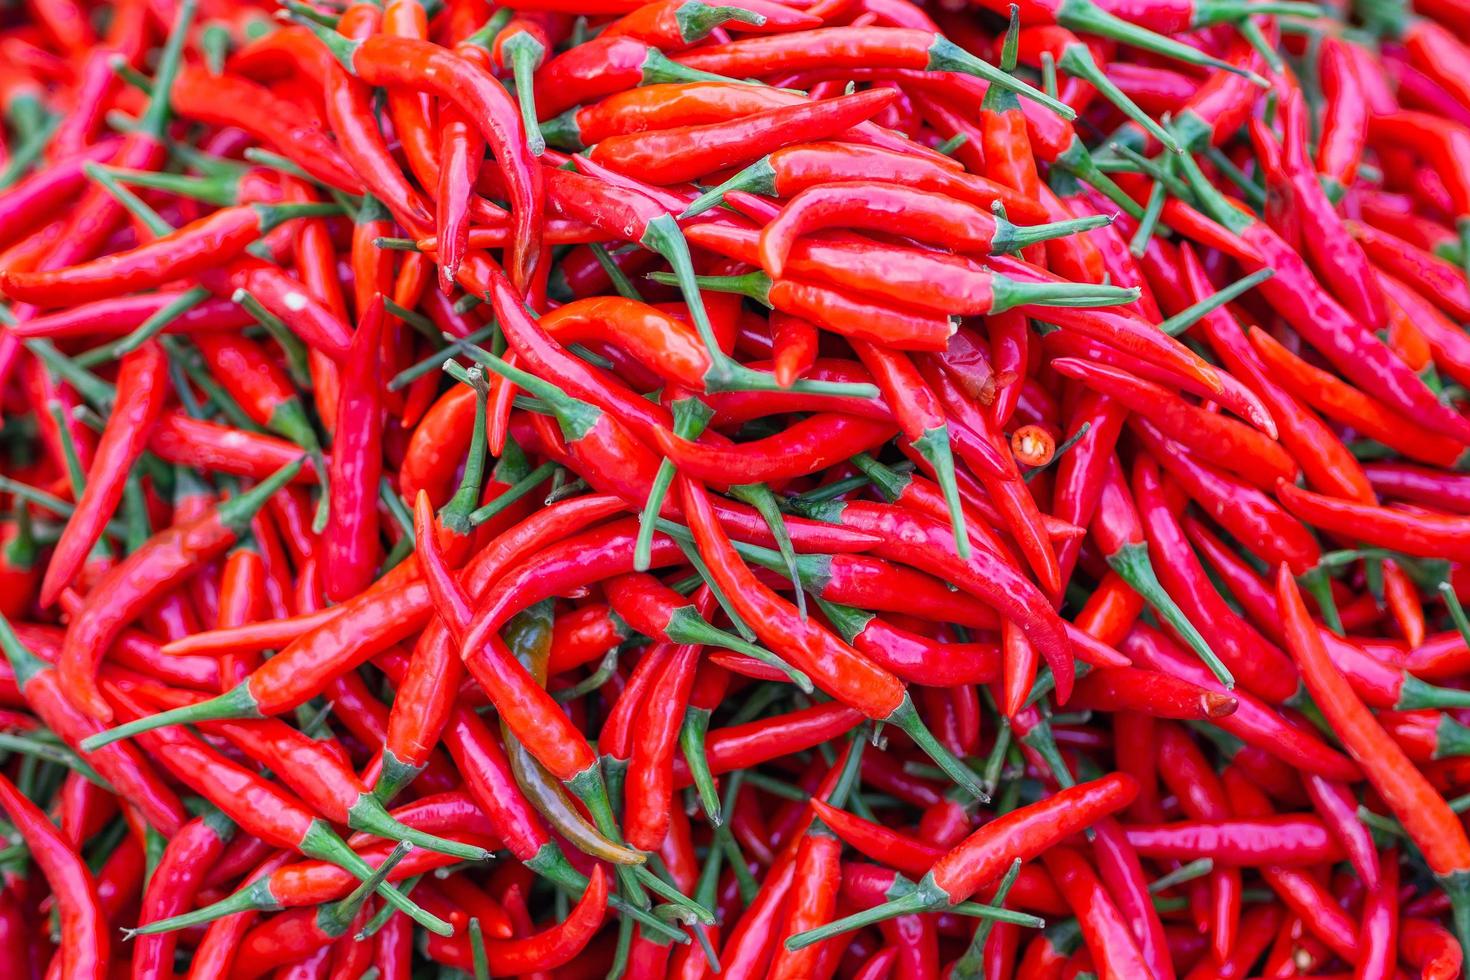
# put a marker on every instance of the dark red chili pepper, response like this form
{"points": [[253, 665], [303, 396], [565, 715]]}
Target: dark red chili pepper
{"points": [[1323, 322]]}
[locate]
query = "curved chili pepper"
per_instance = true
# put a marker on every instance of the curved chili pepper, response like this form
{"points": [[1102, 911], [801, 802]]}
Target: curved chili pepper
{"points": [[139, 401], [1412, 532], [1253, 721], [1230, 445], [85, 945], [1349, 406], [146, 574], [1323, 322], [400, 61], [546, 950], [1429, 822], [979, 858]]}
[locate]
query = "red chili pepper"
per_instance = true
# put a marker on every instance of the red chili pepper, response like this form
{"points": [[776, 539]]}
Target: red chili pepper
{"points": [[1020, 834], [1428, 820], [1323, 322], [141, 391], [208, 242], [400, 61], [260, 808], [86, 948], [147, 574], [681, 153], [351, 536]]}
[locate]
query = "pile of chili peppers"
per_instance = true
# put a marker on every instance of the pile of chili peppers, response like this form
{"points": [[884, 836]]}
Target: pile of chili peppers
{"points": [[762, 488]]}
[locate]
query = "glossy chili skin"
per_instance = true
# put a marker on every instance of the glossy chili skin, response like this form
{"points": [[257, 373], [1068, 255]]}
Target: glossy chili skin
{"points": [[85, 946], [122, 765], [986, 576], [671, 156], [146, 575], [176, 880], [356, 465], [1425, 816], [141, 391]]}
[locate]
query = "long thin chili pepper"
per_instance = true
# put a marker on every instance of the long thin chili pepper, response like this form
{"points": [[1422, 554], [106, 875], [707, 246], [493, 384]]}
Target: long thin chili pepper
{"points": [[143, 577], [981, 857], [85, 951], [1429, 821]]}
